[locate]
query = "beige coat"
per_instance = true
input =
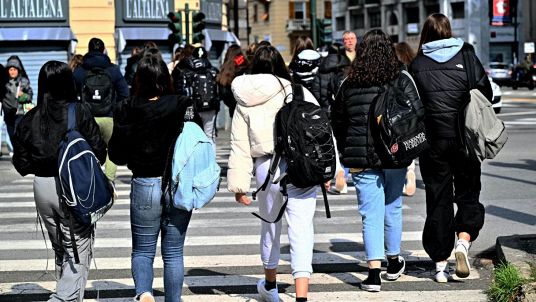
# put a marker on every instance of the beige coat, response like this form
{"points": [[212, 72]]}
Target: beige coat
{"points": [[259, 97]]}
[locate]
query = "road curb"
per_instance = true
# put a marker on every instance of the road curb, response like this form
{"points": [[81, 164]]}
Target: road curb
{"points": [[518, 250]]}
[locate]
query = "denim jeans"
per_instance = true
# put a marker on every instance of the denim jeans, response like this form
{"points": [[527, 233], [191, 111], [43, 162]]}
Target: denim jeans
{"points": [[147, 218], [379, 195]]}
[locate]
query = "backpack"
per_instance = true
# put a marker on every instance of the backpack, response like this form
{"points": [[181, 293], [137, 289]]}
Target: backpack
{"points": [[86, 191], [98, 92], [303, 136], [484, 135], [195, 174], [205, 90], [396, 130]]}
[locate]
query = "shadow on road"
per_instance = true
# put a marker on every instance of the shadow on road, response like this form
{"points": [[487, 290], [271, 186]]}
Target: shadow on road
{"points": [[512, 215], [529, 164]]}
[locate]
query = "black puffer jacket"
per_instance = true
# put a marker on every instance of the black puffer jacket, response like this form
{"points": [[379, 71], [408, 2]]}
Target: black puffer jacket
{"points": [[325, 85], [144, 131], [444, 90], [349, 118], [36, 148]]}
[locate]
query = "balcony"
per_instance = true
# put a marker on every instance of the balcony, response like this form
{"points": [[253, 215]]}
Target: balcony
{"points": [[298, 25]]}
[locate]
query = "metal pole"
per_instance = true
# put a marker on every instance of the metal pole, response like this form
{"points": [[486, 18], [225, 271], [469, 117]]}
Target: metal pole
{"points": [[247, 21], [516, 48], [187, 19], [314, 32], [235, 19]]}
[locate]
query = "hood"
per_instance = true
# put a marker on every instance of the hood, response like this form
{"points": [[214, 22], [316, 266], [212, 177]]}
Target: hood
{"points": [[13, 63], [442, 50], [96, 59], [197, 63], [255, 89]]}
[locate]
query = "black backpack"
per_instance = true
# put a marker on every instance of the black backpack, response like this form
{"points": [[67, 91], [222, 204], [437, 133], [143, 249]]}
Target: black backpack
{"points": [[205, 90], [98, 92], [303, 136], [397, 130]]}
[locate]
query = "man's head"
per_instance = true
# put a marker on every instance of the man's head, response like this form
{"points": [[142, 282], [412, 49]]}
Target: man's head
{"points": [[96, 44], [349, 39]]}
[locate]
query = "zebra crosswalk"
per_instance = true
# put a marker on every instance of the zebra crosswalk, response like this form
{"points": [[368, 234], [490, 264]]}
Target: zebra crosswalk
{"points": [[222, 261]]}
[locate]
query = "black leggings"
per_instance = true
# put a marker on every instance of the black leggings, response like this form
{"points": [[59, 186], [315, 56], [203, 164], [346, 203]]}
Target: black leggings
{"points": [[449, 177]]}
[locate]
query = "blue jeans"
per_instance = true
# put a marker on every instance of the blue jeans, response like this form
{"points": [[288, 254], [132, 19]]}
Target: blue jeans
{"points": [[379, 195], [147, 218]]}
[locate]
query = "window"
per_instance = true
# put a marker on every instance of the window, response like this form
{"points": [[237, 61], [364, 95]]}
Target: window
{"points": [[340, 23], [353, 2], [458, 10], [327, 9], [412, 14], [432, 9], [300, 10], [255, 13], [357, 20], [375, 19]]}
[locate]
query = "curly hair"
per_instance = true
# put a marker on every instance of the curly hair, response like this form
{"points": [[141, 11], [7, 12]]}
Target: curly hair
{"points": [[376, 62]]}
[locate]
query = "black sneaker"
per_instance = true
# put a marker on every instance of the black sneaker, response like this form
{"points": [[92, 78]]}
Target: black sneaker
{"points": [[373, 283], [395, 268]]}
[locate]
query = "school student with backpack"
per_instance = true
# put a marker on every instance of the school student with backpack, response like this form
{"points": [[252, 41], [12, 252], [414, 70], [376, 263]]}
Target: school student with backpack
{"points": [[449, 175], [145, 129], [260, 95], [372, 75], [196, 78], [100, 86], [36, 145], [235, 64]]}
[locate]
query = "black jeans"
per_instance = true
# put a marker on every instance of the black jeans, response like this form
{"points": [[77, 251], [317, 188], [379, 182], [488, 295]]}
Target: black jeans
{"points": [[449, 177]]}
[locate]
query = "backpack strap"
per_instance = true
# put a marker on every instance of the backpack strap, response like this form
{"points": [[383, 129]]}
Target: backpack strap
{"points": [[71, 116], [469, 67], [274, 163], [326, 204], [297, 93], [283, 207]]}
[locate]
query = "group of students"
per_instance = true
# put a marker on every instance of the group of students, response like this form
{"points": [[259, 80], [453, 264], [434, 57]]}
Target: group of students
{"points": [[255, 84]]}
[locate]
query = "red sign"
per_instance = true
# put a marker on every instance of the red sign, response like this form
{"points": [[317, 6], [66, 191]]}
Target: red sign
{"points": [[501, 12]]}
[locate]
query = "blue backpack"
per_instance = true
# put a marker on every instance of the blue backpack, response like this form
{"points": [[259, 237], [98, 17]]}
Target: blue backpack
{"points": [[86, 190], [195, 175]]}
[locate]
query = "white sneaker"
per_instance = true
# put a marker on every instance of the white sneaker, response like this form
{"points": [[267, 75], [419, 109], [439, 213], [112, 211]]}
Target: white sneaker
{"points": [[267, 295], [442, 277], [462, 259]]}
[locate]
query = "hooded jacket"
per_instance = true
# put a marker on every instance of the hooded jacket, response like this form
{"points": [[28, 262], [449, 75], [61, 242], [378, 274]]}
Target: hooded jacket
{"points": [[183, 77], [36, 149], [304, 67], [95, 59], [259, 97], [325, 84], [440, 74], [12, 103]]}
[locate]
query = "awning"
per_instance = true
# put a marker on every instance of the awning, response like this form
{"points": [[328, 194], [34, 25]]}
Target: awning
{"points": [[123, 34], [219, 35], [36, 34]]}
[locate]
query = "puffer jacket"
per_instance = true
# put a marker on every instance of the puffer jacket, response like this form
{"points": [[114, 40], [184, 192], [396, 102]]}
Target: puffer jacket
{"points": [[442, 81], [350, 121], [304, 67], [324, 86], [36, 148], [259, 97]]}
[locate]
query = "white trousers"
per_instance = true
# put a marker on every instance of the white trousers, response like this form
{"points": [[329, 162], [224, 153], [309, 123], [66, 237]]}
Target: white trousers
{"points": [[299, 215]]}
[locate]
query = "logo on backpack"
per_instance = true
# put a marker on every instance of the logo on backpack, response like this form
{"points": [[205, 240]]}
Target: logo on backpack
{"points": [[98, 92]]}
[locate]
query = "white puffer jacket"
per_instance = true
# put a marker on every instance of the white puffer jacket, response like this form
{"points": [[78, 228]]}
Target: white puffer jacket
{"points": [[259, 97]]}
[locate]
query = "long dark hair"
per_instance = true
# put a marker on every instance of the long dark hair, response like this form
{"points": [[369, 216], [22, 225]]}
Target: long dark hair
{"points": [[152, 77], [56, 83], [235, 63], [268, 60], [302, 43], [376, 62], [436, 27], [404, 52]]}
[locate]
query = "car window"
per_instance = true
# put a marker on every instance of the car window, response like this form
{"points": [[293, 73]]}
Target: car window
{"points": [[498, 66]]}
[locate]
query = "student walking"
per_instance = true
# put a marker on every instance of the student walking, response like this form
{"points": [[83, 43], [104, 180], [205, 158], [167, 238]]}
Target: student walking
{"points": [[235, 64], [259, 97], [145, 128], [304, 64], [36, 144], [379, 190], [449, 176]]}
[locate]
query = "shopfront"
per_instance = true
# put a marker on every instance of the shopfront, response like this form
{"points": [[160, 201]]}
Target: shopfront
{"points": [[37, 31], [137, 22]]}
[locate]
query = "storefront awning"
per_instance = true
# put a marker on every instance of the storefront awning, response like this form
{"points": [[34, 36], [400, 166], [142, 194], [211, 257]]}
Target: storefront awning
{"points": [[36, 34], [219, 35], [123, 34]]}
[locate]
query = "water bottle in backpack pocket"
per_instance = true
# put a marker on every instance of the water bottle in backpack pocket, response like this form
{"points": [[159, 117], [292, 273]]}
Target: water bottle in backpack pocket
{"points": [[98, 92]]}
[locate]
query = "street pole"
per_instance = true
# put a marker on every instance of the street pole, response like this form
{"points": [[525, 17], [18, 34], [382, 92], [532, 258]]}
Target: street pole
{"points": [[314, 33], [235, 18], [247, 22], [187, 19], [516, 48]]}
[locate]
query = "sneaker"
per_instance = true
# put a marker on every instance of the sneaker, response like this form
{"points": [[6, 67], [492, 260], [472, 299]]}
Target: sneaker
{"points": [[146, 297], [395, 268], [462, 260], [410, 186], [442, 277], [373, 283], [267, 295]]}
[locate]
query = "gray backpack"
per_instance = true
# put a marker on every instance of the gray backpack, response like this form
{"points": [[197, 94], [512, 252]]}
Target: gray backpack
{"points": [[485, 134]]}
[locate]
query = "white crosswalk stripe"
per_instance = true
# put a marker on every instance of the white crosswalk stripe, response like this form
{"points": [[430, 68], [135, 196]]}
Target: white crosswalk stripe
{"points": [[222, 261]]}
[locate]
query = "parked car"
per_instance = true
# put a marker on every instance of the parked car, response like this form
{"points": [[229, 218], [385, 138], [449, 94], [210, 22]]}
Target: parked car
{"points": [[500, 72], [497, 96]]}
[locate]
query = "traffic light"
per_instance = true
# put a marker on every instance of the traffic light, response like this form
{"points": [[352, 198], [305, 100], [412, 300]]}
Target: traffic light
{"points": [[175, 25], [197, 26], [325, 32]]}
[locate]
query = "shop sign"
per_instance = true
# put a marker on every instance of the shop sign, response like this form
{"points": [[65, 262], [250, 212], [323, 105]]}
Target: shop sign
{"points": [[33, 10], [501, 13], [146, 10], [528, 47]]}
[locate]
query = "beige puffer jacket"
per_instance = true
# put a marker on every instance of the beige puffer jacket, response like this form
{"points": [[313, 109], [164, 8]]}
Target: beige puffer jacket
{"points": [[259, 97]]}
